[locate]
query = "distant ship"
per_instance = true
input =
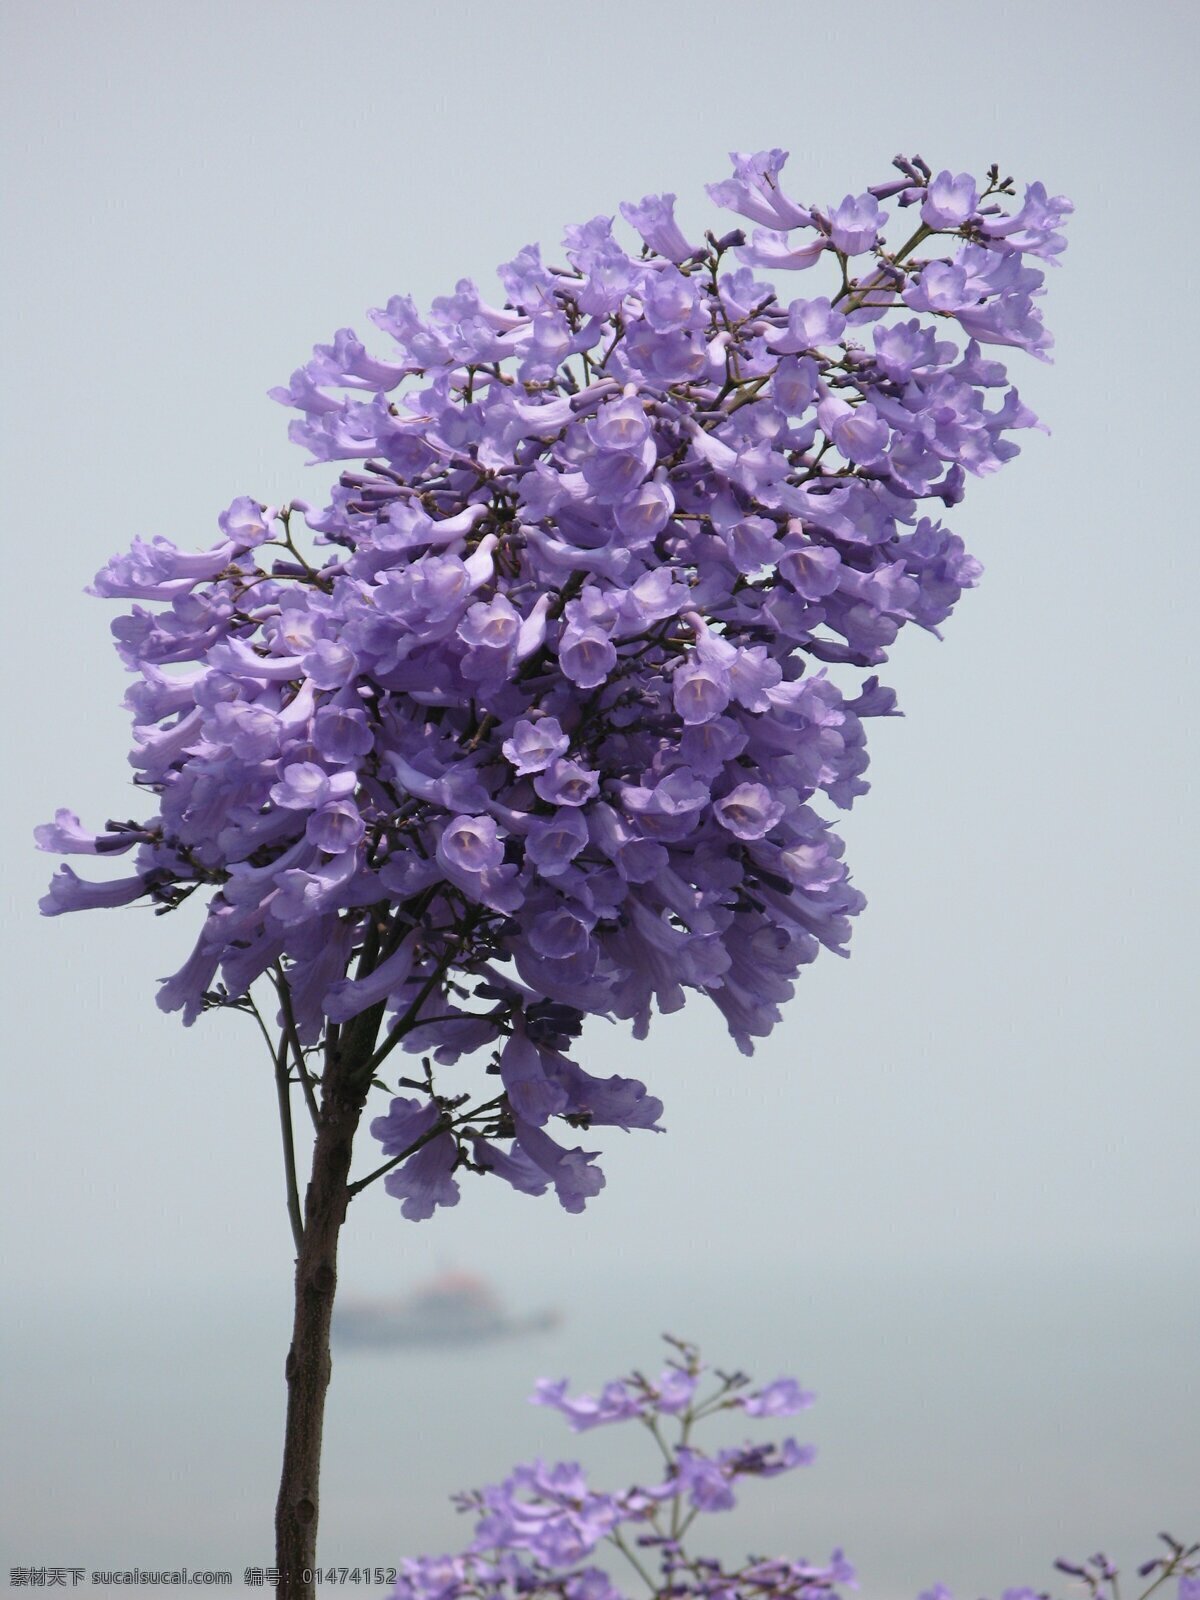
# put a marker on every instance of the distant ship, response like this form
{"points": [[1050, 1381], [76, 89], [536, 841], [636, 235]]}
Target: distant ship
{"points": [[453, 1308]]}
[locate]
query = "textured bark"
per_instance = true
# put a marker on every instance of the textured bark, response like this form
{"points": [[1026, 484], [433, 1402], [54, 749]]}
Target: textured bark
{"points": [[308, 1364]]}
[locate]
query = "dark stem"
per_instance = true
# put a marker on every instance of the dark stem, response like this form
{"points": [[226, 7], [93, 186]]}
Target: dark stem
{"points": [[309, 1364], [350, 1058]]}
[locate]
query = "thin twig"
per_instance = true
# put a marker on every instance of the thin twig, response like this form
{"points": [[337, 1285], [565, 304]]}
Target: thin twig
{"points": [[291, 1033], [283, 1091], [279, 1058], [616, 1540], [412, 1014]]}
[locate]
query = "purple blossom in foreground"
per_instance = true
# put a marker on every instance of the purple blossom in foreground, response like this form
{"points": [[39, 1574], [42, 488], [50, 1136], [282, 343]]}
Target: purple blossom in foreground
{"points": [[544, 1531], [546, 718]]}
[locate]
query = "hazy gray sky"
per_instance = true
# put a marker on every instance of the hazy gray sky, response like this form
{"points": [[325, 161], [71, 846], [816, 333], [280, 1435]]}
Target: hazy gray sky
{"points": [[1004, 1070]]}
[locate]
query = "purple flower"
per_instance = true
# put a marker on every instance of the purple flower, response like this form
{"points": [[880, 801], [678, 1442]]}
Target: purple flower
{"points": [[530, 722], [251, 731], [534, 745], [567, 783], [329, 664], [903, 347], [66, 836], [643, 516], [749, 811], [814, 570], [675, 1390], [533, 1096], [302, 896], [670, 808], [670, 302], [491, 625], [404, 1125], [810, 323], [246, 523], [574, 1178], [859, 432], [705, 1484], [185, 990], [654, 219], [772, 249], [586, 656], [622, 425], [700, 692], [854, 225], [513, 1165], [350, 996], [303, 786], [796, 385], [470, 844], [554, 843], [533, 1529], [1034, 229], [424, 1181], [943, 287], [341, 735], [613, 1102], [336, 827], [70, 892], [614, 1403], [783, 1398], [754, 191], [950, 201]]}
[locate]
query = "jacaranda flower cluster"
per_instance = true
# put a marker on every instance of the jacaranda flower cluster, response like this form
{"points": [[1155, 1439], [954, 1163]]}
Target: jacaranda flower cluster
{"points": [[540, 722], [545, 1530], [546, 1534]]}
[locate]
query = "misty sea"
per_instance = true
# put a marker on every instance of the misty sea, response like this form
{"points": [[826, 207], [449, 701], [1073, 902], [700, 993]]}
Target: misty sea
{"points": [[972, 1423]]}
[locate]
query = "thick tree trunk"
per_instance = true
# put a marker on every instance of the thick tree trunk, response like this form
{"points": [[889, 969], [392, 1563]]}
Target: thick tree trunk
{"points": [[308, 1364]]}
